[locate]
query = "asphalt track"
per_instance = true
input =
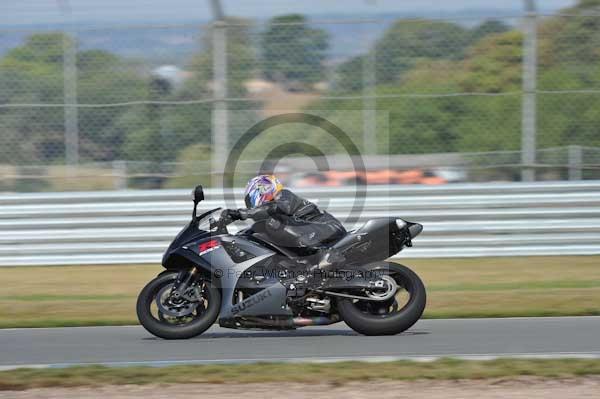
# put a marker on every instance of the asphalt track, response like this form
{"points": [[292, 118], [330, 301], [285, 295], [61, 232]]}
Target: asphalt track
{"points": [[552, 337]]}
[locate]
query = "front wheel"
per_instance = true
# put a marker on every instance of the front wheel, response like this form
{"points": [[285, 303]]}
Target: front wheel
{"points": [[391, 316], [177, 318]]}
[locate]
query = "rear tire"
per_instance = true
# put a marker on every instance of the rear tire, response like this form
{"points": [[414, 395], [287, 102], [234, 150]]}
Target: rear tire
{"points": [[389, 324], [160, 326]]}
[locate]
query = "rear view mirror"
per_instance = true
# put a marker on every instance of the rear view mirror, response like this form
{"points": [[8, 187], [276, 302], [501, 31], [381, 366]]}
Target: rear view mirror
{"points": [[198, 194]]}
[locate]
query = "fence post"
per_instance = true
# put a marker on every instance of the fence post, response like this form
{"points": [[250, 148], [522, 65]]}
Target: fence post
{"points": [[220, 126], [70, 88], [369, 103], [528, 113], [575, 162], [119, 172]]}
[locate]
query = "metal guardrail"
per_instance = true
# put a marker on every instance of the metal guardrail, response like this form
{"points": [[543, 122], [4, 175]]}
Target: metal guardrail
{"points": [[465, 220]]}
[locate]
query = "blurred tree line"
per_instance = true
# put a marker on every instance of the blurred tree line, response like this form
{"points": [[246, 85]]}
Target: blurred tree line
{"points": [[33, 74], [412, 57], [433, 57]]}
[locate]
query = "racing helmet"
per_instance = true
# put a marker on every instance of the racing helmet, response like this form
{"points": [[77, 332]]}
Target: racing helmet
{"points": [[262, 189]]}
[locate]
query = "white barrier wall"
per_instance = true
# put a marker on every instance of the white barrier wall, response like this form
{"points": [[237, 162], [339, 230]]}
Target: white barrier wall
{"points": [[466, 220]]}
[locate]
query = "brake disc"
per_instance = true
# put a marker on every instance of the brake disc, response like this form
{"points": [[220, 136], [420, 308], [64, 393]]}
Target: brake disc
{"points": [[178, 307]]}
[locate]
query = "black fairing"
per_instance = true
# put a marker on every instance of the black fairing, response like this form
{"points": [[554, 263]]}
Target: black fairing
{"points": [[377, 239], [177, 258]]}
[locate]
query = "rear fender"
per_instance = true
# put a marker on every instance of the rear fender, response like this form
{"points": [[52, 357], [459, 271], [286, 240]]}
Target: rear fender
{"points": [[414, 229]]}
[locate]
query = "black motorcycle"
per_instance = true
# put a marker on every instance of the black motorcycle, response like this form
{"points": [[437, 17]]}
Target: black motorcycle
{"points": [[246, 281]]}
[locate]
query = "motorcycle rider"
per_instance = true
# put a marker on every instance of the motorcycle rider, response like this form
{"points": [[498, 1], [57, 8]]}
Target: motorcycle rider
{"points": [[290, 221]]}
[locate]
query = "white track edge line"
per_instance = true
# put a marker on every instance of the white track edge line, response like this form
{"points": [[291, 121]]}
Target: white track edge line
{"points": [[366, 359]]}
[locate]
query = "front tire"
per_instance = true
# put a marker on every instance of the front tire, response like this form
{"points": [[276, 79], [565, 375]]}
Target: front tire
{"points": [[171, 328], [364, 318]]}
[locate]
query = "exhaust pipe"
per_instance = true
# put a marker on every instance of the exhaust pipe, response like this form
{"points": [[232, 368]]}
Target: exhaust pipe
{"points": [[315, 321], [280, 323]]}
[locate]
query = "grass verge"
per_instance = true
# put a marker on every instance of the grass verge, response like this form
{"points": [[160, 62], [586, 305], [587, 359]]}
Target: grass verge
{"points": [[334, 373], [473, 287]]}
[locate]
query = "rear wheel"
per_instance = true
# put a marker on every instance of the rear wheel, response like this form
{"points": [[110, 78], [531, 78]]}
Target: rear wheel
{"points": [[399, 311], [177, 318]]}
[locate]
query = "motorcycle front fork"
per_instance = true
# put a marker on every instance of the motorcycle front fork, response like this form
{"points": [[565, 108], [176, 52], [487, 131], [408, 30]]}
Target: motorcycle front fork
{"points": [[185, 279]]}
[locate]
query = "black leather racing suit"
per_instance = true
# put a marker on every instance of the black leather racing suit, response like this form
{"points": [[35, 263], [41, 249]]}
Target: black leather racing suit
{"points": [[291, 221]]}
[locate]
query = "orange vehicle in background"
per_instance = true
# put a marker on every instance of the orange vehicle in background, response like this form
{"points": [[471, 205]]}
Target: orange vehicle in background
{"points": [[376, 177]]}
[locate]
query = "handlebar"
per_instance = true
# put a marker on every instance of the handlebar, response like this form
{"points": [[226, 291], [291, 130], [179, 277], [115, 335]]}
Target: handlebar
{"points": [[223, 222]]}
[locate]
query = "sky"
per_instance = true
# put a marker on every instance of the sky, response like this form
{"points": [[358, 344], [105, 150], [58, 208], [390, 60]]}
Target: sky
{"points": [[27, 12]]}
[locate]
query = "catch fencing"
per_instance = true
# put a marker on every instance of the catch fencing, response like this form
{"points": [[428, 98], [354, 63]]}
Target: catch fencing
{"points": [[463, 220], [151, 102]]}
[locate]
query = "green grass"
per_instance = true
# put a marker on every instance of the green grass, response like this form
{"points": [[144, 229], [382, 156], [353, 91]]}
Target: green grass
{"points": [[473, 287], [526, 285], [334, 373]]}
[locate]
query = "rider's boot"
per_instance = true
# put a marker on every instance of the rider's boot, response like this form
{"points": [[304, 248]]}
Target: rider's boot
{"points": [[324, 268], [312, 272], [330, 258]]}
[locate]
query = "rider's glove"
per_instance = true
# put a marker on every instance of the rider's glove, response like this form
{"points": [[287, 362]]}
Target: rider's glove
{"points": [[227, 217], [242, 214], [233, 214]]}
